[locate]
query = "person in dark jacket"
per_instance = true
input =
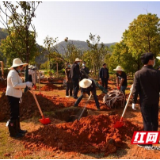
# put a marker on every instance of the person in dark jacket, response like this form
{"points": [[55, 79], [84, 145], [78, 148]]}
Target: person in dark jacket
{"points": [[87, 86], [84, 71], [104, 76], [75, 75], [69, 84], [147, 86]]}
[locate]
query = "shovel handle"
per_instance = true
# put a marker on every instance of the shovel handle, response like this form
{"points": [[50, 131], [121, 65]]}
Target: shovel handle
{"points": [[124, 111], [37, 103]]}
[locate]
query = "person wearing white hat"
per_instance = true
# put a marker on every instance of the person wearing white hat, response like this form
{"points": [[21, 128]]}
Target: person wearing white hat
{"points": [[75, 75], [87, 86], [14, 93], [121, 79]]}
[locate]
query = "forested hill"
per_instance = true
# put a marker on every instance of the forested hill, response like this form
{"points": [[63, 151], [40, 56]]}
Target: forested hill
{"points": [[82, 45]]}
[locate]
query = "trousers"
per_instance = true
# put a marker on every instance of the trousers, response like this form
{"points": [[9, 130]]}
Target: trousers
{"points": [[75, 87], [69, 88], [105, 82]]}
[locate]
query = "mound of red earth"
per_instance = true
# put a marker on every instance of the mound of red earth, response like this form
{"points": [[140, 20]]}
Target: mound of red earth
{"points": [[28, 107], [50, 87], [3, 85], [92, 134]]}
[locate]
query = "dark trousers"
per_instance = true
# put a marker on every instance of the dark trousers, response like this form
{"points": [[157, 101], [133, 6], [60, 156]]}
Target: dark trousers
{"points": [[150, 117], [75, 87], [105, 82], [14, 107], [81, 96], [69, 88]]}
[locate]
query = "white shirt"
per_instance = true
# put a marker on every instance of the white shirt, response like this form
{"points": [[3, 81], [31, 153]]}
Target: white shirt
{"points": [[14, 84]]}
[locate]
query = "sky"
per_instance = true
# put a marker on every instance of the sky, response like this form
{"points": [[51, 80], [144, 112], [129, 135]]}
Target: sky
{"points": [[77, 19]]}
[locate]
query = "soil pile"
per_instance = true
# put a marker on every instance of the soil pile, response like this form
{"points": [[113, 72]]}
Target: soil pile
{"points": [[92, 134], [28, 107], [50, 87]]}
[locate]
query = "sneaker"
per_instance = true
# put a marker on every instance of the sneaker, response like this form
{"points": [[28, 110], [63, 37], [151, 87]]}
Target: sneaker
{"points": [[67, 96]]}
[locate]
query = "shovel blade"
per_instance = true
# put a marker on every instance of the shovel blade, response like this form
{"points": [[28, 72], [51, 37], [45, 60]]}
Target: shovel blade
{"points": [[45, 121], [119, 123]]}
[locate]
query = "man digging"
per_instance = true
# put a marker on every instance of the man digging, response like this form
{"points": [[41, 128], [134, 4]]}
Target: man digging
{"points": [[87, 86]]}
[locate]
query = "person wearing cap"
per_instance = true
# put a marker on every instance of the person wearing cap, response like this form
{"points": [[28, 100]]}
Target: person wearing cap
{"points": [[14, 93], [75, 75], [121, 79], [104, 76], [84, 71], [69, 87], [147, 86], [87, 86]]}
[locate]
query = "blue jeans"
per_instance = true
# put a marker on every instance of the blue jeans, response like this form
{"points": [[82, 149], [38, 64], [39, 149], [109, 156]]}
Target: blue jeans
{"points": [[81, 96], [123, 88]]}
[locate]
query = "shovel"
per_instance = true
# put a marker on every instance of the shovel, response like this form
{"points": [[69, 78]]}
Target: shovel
{"points": [[120, 123], [84, 107], [43, 120]]}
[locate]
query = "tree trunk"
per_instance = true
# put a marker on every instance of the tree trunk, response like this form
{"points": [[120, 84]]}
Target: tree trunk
{"points": [[57, 69]]}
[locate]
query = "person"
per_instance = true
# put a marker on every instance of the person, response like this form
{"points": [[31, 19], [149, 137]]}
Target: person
{"points": [[69, 87], [147, 86], [32, 75], [14, 93], [75, 76], [121, 79], [87, 86], [84, 71], [104, 76]]}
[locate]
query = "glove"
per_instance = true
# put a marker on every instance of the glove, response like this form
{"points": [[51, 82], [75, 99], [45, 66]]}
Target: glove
{"points": [[34, 86], [118, 87], [134, 106], [29, 84]]}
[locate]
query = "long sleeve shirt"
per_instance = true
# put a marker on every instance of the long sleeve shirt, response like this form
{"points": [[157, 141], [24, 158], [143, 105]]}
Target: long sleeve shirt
{"points": [[147, 86]]}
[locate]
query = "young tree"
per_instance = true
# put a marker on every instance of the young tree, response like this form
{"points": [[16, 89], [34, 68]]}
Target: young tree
{"points": [[98, 51], [18, 16]]}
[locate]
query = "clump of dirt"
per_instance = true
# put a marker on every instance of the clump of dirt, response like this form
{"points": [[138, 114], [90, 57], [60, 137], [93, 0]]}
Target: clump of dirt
{"points": [[92, 134], [50, 87]]}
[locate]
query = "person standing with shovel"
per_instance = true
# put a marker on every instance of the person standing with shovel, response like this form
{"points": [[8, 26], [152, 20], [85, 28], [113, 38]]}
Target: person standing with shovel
{"points": [[87, 86], [147, 86], [14, 93]]}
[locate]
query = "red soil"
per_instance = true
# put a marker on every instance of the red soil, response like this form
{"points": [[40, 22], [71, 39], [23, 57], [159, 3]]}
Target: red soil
{"points": [[92, 134], [50, 87]]}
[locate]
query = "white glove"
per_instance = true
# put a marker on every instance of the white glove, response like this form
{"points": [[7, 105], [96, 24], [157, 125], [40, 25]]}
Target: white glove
{"points": [[29, 84], [134, 106]]}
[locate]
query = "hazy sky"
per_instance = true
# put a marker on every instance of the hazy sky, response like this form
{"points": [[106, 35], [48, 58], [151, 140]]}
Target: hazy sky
{"points": [[77, 19]]}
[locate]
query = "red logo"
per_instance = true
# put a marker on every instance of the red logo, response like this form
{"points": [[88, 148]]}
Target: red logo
{"points": [[145, 137]]}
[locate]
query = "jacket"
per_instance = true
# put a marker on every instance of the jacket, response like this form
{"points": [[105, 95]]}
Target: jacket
{"points": [[14, 84], [147, 86], [75, 71], [101, 73]]}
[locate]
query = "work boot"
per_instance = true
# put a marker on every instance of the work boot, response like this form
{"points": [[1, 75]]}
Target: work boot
{"points": [[13, 129], [19, 128]]}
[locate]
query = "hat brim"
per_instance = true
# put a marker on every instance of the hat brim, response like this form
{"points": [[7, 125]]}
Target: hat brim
{"points": [[82, 85], [22, 64], [78, 60], [158, 57], [118, 69]]}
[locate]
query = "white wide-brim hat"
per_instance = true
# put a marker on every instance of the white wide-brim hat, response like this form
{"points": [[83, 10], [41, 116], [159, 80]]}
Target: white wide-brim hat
{"points": [[158, 57], [17, 62], [118, 68], [78, 60], [85, 83]]}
